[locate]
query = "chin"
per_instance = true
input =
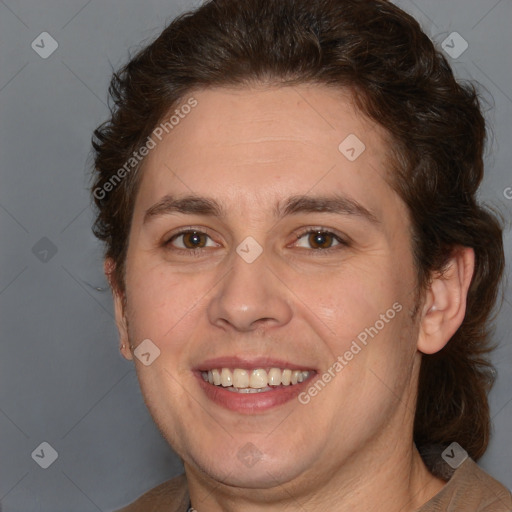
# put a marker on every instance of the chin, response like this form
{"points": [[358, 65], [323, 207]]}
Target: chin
{"points": [[248, 467]]}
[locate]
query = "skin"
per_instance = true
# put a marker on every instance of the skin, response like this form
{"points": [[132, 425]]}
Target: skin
{"points": [[350, 447]]}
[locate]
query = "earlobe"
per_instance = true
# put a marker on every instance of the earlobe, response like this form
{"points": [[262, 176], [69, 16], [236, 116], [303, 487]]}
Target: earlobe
{"points": [[119, 310], [445, 301]]}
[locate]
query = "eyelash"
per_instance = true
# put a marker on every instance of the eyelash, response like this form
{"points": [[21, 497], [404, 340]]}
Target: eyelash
{"points": [[342, 242], [317, 229]]}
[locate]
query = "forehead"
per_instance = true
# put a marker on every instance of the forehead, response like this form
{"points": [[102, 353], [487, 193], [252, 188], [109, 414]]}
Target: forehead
{"points": [[245, 145]]}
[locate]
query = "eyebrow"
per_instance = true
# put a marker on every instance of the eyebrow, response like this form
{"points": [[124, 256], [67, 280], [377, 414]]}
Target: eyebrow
{"points": [[294, 205]]}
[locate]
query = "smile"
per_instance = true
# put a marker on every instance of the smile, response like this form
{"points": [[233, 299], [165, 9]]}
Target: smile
{"points": [[241, 380]]}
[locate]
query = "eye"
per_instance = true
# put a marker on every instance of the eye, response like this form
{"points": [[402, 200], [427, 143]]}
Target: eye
{"points": [[319, 239], [190, 239]]}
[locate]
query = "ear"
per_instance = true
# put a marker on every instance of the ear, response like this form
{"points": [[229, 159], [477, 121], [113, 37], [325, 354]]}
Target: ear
{"points": [[119, 309], [445, 301]]}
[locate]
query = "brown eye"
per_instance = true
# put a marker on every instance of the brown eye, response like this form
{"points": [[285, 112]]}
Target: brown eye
{"points": [[194, 239], [320, 239], [190, 239]]}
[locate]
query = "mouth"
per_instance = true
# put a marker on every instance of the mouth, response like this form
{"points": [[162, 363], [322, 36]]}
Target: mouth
{"points": [[252, 387], [258, 380]]}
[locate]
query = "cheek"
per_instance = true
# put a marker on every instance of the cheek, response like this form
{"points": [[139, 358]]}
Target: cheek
{"points": [[159, 301], [350, 300]]}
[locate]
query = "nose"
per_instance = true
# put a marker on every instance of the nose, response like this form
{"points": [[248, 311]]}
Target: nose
{"points": [[250, 296]]}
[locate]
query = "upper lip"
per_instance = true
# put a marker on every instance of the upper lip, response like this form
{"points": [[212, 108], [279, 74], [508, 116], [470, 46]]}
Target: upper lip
{"points": [[249, 363]]}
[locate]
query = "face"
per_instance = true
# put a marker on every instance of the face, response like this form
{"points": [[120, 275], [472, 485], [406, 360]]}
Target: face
{"points": [[267, 246]]}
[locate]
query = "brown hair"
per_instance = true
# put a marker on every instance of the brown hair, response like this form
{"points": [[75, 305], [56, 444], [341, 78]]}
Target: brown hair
{"points": [[399, 80]]}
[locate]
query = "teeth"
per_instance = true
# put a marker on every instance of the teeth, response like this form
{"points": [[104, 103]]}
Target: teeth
{"points": [[258, 379], [226, 377], [248, 390], [216, 377], [274, 377], [286, 378], [240, 378], [252, 381]]}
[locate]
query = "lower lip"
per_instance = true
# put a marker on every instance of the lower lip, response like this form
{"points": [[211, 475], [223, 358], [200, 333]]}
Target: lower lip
{"points": [[251, 403]]}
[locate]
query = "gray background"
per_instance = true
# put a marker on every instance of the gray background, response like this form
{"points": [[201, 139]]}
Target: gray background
{"points": [[62, 380]]}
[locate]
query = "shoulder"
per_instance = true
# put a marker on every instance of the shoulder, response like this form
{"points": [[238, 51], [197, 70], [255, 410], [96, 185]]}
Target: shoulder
{"points": [[470, 489], [171, 495]]}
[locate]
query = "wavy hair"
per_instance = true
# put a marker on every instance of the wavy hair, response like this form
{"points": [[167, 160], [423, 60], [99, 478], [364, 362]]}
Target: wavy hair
{"points": [[399, 80]]}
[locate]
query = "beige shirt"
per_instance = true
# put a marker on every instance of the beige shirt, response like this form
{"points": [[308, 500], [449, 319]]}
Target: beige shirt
{"points": [[469, 489]]}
